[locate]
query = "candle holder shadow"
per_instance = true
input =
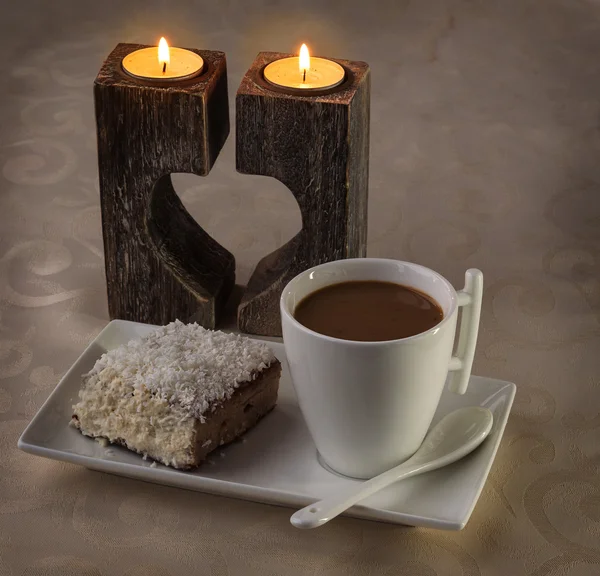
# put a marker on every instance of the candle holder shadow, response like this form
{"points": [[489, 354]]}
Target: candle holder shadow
{"points": [[160, 264], [316, 144]]}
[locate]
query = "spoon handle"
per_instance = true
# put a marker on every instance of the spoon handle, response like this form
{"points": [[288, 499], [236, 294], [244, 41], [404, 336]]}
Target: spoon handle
{"points": [[319, 513]]}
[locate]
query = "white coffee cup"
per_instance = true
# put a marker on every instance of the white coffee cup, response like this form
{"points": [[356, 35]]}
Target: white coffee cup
{"points": [[368, 405]]}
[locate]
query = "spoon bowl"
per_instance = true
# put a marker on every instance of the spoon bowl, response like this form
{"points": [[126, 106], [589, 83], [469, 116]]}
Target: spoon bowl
{"points": [[452, 438]]}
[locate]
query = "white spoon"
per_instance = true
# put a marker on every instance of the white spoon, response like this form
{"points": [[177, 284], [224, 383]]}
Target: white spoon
{"points": [[453, 437]]}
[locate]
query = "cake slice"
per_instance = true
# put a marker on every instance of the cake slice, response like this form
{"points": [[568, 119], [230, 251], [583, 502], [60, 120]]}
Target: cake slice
{"points": [[178, 393]]}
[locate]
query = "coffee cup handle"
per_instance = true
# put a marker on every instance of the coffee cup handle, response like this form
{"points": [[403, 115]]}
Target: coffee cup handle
{"points": [[469, 299]]}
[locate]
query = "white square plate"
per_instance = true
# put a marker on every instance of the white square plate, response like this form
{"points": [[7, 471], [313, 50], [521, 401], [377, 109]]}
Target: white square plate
{"points": [[276, 462]]}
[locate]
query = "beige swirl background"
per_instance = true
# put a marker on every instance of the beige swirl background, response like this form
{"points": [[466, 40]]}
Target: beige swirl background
{"points": [[485, 152]]}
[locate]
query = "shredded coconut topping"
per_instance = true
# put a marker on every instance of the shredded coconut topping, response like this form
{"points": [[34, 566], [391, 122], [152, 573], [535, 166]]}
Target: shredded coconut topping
{"points": [[186, 365]]}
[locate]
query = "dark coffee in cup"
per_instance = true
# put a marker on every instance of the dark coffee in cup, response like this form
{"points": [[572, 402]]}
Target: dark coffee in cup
{"points": [[368, 311]]}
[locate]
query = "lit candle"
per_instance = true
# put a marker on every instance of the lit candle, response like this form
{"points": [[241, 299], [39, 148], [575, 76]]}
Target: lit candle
{"points": [[163, 64], [305, 73]]}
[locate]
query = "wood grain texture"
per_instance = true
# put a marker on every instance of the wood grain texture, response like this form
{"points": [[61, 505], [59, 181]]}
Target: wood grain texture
{"points": [[160, 264], [318, 146]]}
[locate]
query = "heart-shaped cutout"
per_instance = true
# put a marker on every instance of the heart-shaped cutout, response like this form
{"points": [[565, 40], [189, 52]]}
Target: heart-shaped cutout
{"points": [[255, 217], [251, 216]]}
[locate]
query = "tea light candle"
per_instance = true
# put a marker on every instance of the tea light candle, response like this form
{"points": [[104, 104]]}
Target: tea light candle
{"points": [[163, 64], [304, 73]]}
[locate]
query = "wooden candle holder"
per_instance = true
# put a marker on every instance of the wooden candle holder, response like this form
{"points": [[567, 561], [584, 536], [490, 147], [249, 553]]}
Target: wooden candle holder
{"points": [[160, 264], [317, 144]]}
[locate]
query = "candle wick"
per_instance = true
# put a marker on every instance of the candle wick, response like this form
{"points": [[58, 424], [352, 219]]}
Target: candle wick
{"points": [[304, 76], [164, 67]]}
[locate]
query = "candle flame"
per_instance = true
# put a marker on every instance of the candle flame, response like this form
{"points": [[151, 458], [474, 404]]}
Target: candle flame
{"points": [[304, 59], [163, 52]]}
